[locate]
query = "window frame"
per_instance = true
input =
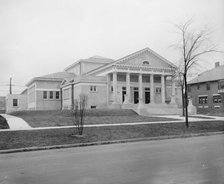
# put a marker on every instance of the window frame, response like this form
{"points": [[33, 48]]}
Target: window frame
{"points": [[208, 86], [15, 102], [45, 95], [93, 89], [51, 93], [57, 95], [216, 99], [202, 100], [158, 90]]}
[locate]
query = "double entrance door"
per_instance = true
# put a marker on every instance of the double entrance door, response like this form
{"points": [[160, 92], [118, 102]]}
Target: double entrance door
{"points": [[147, 95]]}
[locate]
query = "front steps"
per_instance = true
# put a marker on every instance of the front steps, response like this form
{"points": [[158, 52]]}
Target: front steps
{"points": [[153, 109]]}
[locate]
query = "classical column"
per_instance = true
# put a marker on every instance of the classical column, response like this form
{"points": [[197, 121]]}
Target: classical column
{"points": [[163, 88], [108, 88], [173, 87], [128, 89], [140, 89], [152, 89], [115, 87]]}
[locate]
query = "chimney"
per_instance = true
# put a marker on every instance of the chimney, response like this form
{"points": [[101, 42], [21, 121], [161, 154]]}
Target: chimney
{"points": [[217, 64]]}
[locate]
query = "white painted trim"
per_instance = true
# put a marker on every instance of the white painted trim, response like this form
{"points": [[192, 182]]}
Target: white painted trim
{"points": [[67, 87], [206, 106], [89, 84], [216, 95], [217, 106], [43, 89]]}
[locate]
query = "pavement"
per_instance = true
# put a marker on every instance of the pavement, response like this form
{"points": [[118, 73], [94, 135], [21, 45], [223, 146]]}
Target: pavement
{"points": [[16, 123], [193, 160]]}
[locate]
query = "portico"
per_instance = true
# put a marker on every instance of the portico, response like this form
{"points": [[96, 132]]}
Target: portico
{"points": [[136, 88]]}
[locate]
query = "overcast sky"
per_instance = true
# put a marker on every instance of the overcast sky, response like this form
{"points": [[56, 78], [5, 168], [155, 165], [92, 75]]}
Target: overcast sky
{"points": [[39, 37]]}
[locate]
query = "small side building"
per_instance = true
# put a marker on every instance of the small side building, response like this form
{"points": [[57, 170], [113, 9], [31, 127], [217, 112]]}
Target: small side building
{"points": [[207, 90], [2, 104], [16, 102]]}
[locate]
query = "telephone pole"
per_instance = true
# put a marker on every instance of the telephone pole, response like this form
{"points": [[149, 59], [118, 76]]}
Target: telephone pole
{"points": [[10, 86]]}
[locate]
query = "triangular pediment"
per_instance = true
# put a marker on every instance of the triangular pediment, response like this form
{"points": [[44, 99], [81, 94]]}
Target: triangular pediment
{"points": [[145, 57]]}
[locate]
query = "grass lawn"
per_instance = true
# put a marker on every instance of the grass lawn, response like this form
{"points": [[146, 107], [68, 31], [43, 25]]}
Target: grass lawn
{"points": [[93, 116], [30, 138]]}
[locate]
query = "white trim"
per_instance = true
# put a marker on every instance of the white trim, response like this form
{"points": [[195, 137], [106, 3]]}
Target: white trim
{"points": [[67, 87], [216, 95], [200, 107], [206, 106], [217, 106], [43, 89], [90, 84]]}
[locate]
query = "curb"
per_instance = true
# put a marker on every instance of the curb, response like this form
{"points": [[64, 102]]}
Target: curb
{"points": [[106, 142]]}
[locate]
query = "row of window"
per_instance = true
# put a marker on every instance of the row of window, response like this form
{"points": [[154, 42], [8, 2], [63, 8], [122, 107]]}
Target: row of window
{"points": [[204, 99], [51, 95], [208, 86]]}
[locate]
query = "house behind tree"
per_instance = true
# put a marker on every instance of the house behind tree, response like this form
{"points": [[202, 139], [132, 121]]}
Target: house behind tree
{"points": [[207, 90]]}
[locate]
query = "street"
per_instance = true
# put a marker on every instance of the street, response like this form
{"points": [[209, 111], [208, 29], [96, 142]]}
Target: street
{"points": [[174, 161]]}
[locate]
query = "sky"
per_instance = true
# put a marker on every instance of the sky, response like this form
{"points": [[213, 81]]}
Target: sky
{"points": [[38, 37]]}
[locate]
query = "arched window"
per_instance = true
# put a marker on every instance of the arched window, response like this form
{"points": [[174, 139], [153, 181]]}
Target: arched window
{"points": [[145, 63]]}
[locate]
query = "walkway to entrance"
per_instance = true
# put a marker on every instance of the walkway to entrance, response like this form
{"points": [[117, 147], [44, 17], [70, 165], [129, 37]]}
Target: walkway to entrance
{"points": [[16, 123]]}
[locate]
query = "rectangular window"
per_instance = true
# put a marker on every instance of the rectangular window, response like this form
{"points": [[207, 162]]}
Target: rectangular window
{"points": [[51, 94], [198, 86], [217, 99], [45, 95], [15, 102], [157, 79], [158, 90], [203, 100], [208, 86], [57, 95], [93, 88], [221, 84], [93, 107]]}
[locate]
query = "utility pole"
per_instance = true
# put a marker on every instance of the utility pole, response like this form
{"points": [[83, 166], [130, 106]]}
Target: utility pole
{"points": [[10, 86]]}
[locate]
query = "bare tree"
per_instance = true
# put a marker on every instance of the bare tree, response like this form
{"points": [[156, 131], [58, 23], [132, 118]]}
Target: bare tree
{"points": [[80, 105], [193, 45]]}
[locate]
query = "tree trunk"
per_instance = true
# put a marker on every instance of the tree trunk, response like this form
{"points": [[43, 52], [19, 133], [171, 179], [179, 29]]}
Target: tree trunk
{"points": [[186, 101], [182, 93]]}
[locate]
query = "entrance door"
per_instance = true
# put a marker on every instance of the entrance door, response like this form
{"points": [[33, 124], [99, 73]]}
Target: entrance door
{"points": [[123, 93], [147, 97], [135, 97]]}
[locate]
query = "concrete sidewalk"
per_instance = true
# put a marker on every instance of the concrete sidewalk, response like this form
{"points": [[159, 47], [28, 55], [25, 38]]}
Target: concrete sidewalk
{"points": [[19, 124], [15, 123]]}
